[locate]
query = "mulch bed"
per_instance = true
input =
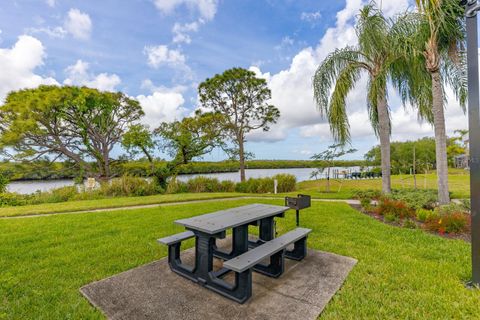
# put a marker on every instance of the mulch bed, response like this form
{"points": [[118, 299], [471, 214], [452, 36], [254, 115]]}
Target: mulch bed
{"points": [[462, 236]]}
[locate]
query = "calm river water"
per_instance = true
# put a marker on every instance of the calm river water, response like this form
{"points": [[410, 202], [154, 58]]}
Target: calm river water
{"points": [[301, 174]]}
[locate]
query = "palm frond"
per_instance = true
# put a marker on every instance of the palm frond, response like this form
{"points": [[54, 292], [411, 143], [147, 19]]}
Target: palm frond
{"points": [[328, 72], [337, 111]]}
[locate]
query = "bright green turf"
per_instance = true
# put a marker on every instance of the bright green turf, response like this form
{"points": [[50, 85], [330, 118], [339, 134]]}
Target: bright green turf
{"points": [[458, 180], [401, 273], [82, 205]]}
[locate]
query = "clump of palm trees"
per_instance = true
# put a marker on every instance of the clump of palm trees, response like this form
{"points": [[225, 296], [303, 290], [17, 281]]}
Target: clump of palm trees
{"points": [[419, 53]]}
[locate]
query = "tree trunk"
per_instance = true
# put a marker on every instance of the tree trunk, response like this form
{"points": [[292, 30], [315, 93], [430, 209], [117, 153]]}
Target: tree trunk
{"points": [[328, 179], [241, 155], [384, 135], [440, 138]]}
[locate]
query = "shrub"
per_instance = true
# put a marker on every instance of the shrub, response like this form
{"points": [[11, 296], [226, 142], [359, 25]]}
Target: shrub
{"points": [[3, 183], [241, 187], [451, 218], [399, 209], [203, 184], [61, 194], [263, 185], [456, 222], [286, 182], [424, 214], [367, 194], [128, 186], [466, 204], [449, 209], [416, 198], [255, 185], [366, 203], [410, 224], [176, 186], [13, 199], [227, 186], [390, 217]]}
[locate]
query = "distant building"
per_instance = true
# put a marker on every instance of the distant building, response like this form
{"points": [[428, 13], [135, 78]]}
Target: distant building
{"points": [[461, 161]]}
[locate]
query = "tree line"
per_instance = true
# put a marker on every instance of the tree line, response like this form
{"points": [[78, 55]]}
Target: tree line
{"points": [[417, 156], [420, 53], [83, 125]]}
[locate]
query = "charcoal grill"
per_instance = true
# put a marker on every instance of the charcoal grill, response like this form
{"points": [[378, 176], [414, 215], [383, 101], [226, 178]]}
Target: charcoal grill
{"points": [[302, 201]]}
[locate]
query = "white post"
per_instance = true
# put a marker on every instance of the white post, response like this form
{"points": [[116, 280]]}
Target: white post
{"points": [[275, 185]]}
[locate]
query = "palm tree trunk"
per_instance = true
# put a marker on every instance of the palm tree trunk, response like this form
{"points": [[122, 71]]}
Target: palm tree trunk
{"points": [[440, 138], [384, 135]]}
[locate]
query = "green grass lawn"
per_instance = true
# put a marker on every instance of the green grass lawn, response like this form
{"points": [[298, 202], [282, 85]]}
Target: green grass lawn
{"points": [[119, 202], [459, 185], [401, 273]]}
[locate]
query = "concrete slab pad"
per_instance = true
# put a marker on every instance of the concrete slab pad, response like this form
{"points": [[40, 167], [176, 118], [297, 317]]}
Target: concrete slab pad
{"points": [[153, 291]]}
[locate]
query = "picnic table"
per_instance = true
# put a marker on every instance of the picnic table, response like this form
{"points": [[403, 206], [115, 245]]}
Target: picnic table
{"points": [[244, 255]]}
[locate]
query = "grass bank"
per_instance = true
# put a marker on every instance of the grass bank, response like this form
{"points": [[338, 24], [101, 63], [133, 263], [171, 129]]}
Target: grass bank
{"points": [[401, 273]]}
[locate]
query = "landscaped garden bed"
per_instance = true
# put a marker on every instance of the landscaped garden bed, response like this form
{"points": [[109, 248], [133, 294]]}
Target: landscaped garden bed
{"points": [[417, 209]]}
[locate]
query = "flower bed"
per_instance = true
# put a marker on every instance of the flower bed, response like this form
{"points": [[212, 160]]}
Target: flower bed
{"points": [[451, 220]]}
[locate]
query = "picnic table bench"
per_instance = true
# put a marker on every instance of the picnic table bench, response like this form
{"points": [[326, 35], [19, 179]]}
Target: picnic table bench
{"points": [[244, 255]]}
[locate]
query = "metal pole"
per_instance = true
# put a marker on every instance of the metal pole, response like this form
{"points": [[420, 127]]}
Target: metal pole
{"points": [[474, 133]]}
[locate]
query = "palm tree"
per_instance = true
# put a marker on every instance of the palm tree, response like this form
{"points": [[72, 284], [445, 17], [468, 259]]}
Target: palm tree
{"points": [[434, 45], [375, 56]]}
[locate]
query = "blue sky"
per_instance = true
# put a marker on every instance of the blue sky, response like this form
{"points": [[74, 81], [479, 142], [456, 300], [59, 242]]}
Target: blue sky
{"points": [[159, 50]]}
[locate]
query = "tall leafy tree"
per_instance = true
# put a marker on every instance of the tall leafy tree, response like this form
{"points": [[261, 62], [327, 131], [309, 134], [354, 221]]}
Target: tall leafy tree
{"points": [[76, 123], [434, 42], [242, 99], [139, 140], [374, 55], [100, 119], [192, 137], [33, 125]]}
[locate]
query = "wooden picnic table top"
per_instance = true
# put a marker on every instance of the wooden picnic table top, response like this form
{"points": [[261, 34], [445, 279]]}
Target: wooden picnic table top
{"points": [[219, 221]]}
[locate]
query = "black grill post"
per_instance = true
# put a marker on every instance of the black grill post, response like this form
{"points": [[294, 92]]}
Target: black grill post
{"points": [[302, 201]]}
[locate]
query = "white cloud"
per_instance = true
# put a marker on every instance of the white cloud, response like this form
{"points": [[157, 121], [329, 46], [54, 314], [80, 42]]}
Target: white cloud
{"points": [[311, 17], [78, 74], [161, 55], [54, 32], [51, 3], [164, 105], [18, 66], [78, 24], [147, 84], [206, 8], [181, 31]]}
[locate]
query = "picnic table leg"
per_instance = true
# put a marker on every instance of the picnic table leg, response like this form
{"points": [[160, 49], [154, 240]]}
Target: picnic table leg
{"points": [[176, 264], [241, 290], [299, 250], [203, 256], [276, 266], [239, 244], [267, 229]]}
